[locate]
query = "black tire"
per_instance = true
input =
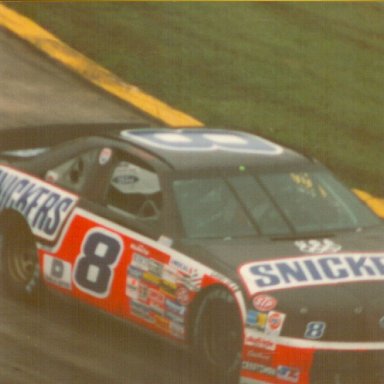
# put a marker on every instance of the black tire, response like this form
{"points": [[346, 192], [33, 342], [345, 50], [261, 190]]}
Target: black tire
{"points": [[217, 335], [19, 260]]}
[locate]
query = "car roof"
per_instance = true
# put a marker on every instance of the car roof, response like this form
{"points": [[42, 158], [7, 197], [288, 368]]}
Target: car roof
{"points": [[205, 148]]}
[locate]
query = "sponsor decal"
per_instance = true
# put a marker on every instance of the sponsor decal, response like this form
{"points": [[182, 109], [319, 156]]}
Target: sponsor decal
{"points": [[105, 156], [257, 319], [155, 268], [132, 287], [317, 246], [170, 275], [57, 271], [143, 293], [179, 265], [312, 270], [183, 295], [192, 282], [259, 356], [162, 323], [175, 308], [290, 374], [256, 367], [275, 323], [156, 300], [175, 318], [134, 272], [264, 303], [44, 206], [142, 311], [141, 262], [151, 278], [168, 287], [177, 330], [139, 248], [260, 342], [315, 330]]}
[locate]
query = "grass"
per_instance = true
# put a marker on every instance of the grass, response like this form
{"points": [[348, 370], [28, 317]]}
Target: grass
{"points": [[309, 75]]}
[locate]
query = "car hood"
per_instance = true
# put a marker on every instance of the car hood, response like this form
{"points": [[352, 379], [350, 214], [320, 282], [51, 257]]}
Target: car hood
{"points": [[228, 255], [337, 281]]}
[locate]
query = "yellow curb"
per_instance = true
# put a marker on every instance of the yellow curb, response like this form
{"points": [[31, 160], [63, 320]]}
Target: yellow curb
{"points": [[77, 62], [375, 203]]}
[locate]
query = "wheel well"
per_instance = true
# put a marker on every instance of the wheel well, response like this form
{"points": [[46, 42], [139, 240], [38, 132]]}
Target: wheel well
{"points": [[194, 306], [10, 218]]}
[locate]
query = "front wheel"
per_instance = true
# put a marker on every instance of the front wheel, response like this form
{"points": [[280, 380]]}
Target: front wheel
{"points": [[19, 260], [217, 335]]}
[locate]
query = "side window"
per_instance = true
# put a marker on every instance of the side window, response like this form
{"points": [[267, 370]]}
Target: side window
{"points": [[72, 173], [135, 191]]}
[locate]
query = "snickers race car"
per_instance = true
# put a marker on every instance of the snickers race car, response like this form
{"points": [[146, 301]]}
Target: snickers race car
{"points": [[249, 253]]}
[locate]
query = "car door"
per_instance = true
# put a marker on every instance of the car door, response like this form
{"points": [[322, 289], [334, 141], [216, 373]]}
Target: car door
{"points": [[109, 255], [59, 261]]}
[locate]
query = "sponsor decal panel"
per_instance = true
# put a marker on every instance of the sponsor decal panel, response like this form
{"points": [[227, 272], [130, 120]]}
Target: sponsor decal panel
{"points": [[57, 271], [155, 291], [44, 206], [305, 271]]}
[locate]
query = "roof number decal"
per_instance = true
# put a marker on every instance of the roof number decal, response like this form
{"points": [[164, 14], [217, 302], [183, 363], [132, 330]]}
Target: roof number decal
{"points": [[203, 140]]}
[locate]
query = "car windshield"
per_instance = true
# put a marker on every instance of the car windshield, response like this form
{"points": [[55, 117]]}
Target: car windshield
{"points": [[273, 204]]}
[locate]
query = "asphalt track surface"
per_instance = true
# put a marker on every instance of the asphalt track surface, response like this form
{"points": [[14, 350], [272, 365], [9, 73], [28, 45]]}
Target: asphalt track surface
{"points": [[55, 341]]}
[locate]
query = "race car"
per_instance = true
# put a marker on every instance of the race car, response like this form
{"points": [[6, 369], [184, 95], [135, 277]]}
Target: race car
{"points": [[254, 256]]}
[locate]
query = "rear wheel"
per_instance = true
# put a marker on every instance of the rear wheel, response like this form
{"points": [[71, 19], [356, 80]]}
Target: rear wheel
{"points": [[19, 260], [217, 335]]}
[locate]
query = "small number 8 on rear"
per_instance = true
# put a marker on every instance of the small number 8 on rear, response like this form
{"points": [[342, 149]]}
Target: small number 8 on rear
{"points": [[315, 330]]}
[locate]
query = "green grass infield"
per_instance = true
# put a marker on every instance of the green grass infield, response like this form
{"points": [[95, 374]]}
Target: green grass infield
{"points": [[309, 75]]}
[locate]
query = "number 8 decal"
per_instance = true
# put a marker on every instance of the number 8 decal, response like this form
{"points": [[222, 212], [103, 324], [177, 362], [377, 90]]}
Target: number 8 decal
{"points": [[94, 267], [315, 330]]}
